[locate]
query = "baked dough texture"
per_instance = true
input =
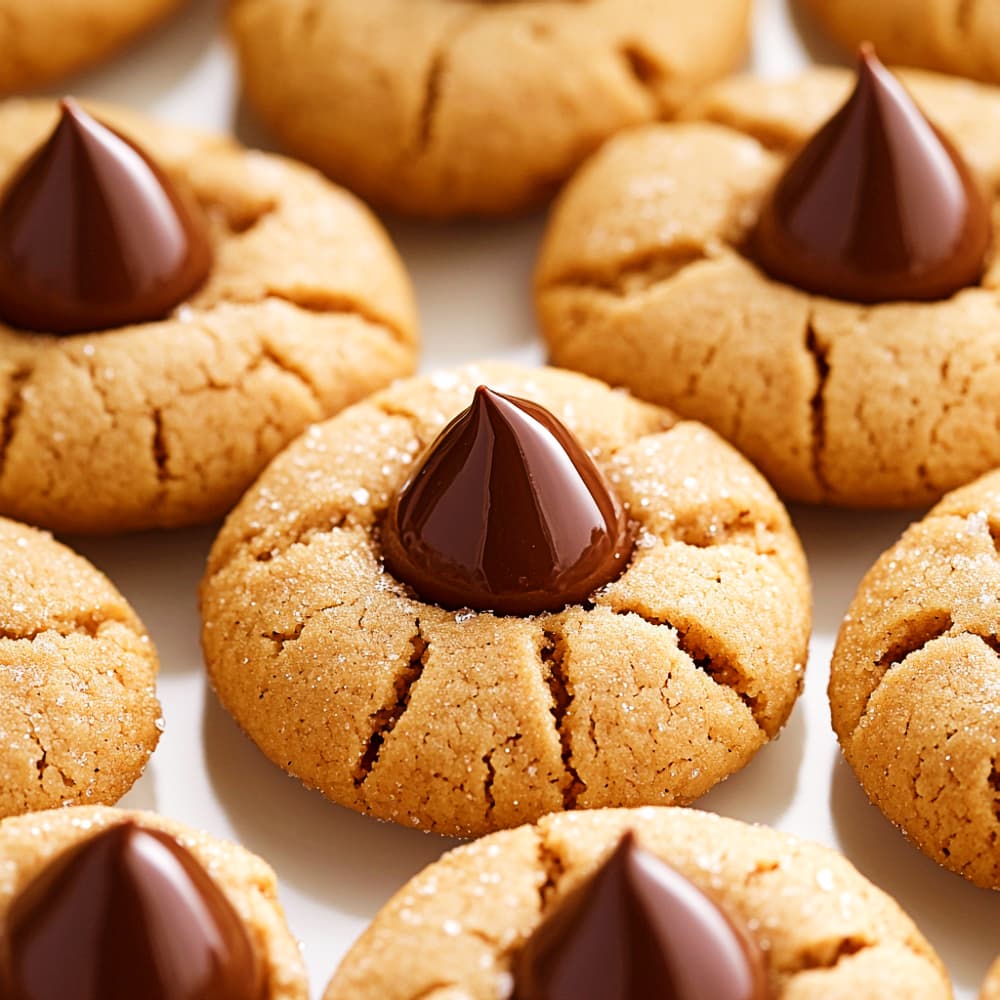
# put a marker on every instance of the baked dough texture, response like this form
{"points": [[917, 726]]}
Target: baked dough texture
{"points": [[952, 36], [42, 41], [991, 988], [642, 282], [463, 722], [454, 107], [78, 710], [307, 309], [827, 933], [915, 683], [29, 843]]}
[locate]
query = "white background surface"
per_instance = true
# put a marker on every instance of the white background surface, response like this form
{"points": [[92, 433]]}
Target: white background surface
{"points": [[337, 868]]}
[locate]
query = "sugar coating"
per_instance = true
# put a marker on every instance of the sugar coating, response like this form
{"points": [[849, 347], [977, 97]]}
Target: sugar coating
{"points": [[915, 683], [464, 722], [29, 843], [643, 281], [306, 310], [827, 933], [78, 710]]}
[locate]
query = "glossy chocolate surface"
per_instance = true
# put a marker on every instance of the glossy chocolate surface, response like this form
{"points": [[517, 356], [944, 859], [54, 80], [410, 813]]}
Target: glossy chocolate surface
{"points": [[639, 930], [127, 915], [879, 206], [506, 512], [94, 236]]}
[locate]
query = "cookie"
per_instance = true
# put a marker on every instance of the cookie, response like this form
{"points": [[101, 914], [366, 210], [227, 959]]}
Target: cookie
{"points": [[437, 108], [915, 684], [167, 911], [991, 988], [44, 41], [235, 299], [649, 690], [649, 278], [945, 35], [462, 926], [78, 710]]}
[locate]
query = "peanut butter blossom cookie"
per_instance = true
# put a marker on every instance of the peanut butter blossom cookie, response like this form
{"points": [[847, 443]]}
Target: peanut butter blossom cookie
{"points": [[915, 683], [173, 310], [121, 905], [442, 108], [43, 41], [496, 592], [78, 710], [639, 904], [814, 277]]}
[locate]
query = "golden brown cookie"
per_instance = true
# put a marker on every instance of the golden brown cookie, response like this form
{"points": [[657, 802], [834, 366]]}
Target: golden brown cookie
{"points": [[827, 933], [655, 689], [78, 710], [643, 281], [30, 845], [915, 683], [953, 36], [306, 309], [43, 41], [444, 108], [991, 988]]}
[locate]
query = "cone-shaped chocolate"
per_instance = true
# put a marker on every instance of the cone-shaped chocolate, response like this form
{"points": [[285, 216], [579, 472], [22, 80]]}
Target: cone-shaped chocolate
{"points": [[93, 235], [879, 206], [507, 513], [127, 915], [639, 930]]}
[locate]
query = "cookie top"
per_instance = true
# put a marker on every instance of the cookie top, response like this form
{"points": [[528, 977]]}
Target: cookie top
{"points": [[438, 108], [935, 34], [306, 309], [991, 988], [660, 685], [28, 844], [826, 931], [43, 41], [78, 710], [914, 684], [643, 281]]}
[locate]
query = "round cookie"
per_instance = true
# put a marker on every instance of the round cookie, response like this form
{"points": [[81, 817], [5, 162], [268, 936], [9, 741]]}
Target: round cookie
{"points": [[915, 683], [663, 683], [305, 310], [438, 108], [643, 281], [827, 933], [952, 36], [991, 988], [78, 710], [44, 41], [28, 844]]}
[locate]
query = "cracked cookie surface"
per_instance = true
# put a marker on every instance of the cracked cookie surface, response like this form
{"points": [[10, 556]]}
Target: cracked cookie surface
{"points": [[642, 282], [915, 683], [29, 843], [452, 107], [669, 680], [306, 310], [78, 710], [827, 933]]}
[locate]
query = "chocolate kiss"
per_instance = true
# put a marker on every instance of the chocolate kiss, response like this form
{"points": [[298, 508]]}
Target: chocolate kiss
{"points": [[879, 206], [93, 235], [128, 914], [506, 512], [639, 930]]}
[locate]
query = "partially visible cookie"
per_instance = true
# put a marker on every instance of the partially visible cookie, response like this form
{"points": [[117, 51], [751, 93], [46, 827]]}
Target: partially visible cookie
{"points": [[991, 988], [915, 683], [438, 108], [78, 710], [43, 41], [458, 928]]}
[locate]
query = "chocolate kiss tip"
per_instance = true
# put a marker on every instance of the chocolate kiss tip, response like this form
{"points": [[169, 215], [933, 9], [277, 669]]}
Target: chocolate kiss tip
{"points": [[93, 235], [128, 913], [506, 512], [878, 206], [639, 929]]}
